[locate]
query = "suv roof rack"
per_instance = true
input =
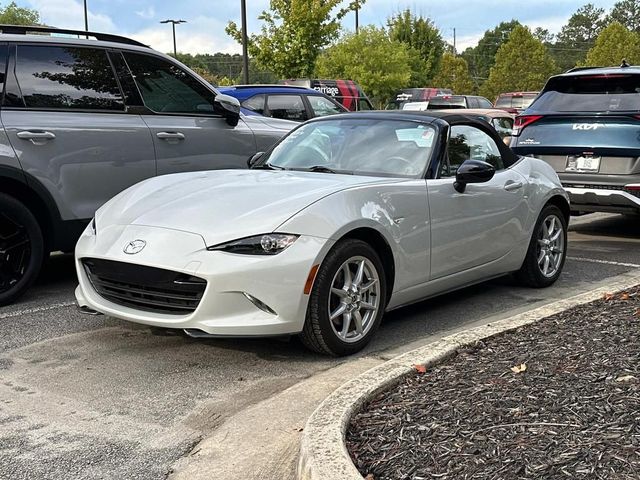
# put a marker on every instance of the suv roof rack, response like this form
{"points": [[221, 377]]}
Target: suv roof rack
{"points": [[273, 85], [105, 37], [577, 69]]}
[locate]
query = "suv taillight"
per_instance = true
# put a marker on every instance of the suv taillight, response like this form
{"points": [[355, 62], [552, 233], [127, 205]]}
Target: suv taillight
{"points": [[522, 121]]}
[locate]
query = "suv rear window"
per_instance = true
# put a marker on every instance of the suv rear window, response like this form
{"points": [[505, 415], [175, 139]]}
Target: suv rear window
{"points": [[67, 78], [591, 93], [515, 101], [436, 103]]}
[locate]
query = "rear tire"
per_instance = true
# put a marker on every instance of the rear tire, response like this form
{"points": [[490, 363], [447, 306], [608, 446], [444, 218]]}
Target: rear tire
{"points": [[547, 250], [347, 301], [21, 249]]}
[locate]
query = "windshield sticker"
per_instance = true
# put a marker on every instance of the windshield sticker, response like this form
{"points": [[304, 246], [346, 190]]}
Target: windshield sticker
{"points": [[529, 141], [423, 137]]}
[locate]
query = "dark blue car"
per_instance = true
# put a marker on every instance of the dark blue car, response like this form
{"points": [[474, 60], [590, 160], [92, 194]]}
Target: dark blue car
{"points": [[283, 101]]}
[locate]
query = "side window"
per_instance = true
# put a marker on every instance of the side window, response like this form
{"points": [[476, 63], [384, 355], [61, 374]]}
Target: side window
{"points": [[484, 103], [54, 77], [255, 104], [322, 107], [466, 142], [365, 105], [288, 107], [166, 88], [503, 125], [472, 102]]}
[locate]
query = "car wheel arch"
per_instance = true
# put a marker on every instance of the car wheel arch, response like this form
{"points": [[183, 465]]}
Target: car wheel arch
{"points": [[36, 204], [562, 203], [380, 244]]}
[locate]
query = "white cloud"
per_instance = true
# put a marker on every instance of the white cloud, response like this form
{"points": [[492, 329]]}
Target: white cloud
{"points": [[200, 35], [147, 13], [70, 14]]}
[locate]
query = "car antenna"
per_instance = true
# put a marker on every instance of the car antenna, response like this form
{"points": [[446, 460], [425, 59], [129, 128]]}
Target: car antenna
{"points": [[624, 63]]}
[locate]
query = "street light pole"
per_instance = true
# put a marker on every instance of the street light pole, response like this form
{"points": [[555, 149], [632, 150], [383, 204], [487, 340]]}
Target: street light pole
{"points": [[357, 20], [173, 26], [245, 55], [86, 17]]}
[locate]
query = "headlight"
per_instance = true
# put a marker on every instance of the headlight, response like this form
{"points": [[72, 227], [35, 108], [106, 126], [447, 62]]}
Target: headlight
{"points": [[267, 244]]}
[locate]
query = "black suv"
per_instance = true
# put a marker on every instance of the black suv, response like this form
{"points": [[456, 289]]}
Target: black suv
{"points": [[586, 124]]}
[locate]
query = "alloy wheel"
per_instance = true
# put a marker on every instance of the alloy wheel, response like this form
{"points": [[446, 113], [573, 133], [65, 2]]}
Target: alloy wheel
{"points": [[354, 299], [15, 252], [551, 246]]}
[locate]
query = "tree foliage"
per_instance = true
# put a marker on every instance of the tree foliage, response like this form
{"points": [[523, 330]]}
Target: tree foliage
{"points": [[293, 33], [522, 63], [482, 57], [12, 14], [454, 74], [615, 42], [578, 36], [627, 13], [424, 42], [375, 61]]}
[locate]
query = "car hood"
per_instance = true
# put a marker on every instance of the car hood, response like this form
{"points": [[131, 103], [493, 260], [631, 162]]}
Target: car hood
{"points": [[224, 205]]}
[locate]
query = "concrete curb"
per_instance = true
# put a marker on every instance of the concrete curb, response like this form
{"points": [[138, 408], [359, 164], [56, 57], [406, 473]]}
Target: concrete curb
{"points": [[323, 454]]}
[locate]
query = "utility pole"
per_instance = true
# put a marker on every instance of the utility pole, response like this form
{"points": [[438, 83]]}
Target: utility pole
{"points": [[173, 25], [245, 55], [86, 17], [357, 13], [454, 41]]}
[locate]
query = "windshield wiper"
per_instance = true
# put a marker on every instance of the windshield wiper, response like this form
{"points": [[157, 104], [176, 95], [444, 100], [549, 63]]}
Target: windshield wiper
{"points": [[267, 166], [321, 169]]}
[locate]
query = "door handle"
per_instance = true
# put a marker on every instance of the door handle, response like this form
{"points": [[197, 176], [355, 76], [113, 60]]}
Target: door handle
{"points": [[170, 135], [35, 135], [513, 186]]}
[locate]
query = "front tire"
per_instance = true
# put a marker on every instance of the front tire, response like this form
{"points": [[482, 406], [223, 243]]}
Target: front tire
{"points": [[21, 249], [547, 250], [347, 301]]}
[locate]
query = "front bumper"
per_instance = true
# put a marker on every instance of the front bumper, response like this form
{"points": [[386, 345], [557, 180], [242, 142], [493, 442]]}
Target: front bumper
{"points": [[224, 310], [602, 198]]}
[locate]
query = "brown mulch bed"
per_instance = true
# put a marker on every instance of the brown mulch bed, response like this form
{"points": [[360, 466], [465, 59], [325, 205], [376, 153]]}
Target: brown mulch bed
{"points": [[574, 412]]}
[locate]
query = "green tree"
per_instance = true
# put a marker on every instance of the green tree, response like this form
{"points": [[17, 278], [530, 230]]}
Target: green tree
{"points": [[482, 57], [293, 33], [612, 45], [522, 63], [454, 74], [15, 15], [578, 36], [425, 45], [627, 13], [380, 65], [190, 61]]}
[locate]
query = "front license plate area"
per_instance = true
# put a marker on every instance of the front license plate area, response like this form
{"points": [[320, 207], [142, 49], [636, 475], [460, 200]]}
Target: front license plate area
{"points": [[583, 164]]}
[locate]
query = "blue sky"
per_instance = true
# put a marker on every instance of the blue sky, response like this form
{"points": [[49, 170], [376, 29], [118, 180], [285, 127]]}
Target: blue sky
{"points": [[204, 32]]}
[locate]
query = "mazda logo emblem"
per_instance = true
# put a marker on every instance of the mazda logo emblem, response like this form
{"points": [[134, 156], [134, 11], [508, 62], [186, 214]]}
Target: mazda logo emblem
{"points": [[136, 246]]}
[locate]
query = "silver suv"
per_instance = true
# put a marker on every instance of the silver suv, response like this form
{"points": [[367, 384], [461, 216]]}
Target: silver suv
{"points": [[85, 118]]}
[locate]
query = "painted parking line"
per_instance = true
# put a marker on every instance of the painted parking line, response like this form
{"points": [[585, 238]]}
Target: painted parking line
{"points": [[28, 311], [605, 262]]}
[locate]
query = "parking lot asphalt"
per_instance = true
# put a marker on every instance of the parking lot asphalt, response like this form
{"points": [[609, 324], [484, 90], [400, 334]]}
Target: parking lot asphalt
{"points": [[91, 397]]}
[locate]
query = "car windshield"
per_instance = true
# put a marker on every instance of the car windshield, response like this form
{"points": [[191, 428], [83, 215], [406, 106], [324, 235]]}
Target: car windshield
{"points": [[363, 146]]}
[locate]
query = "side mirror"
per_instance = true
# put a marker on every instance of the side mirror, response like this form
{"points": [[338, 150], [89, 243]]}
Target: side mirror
{"points": [[253, 159], [473, 171], [230, 108]]}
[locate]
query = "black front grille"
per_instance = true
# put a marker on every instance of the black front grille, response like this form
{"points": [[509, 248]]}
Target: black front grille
{"points": [[145, 288]]}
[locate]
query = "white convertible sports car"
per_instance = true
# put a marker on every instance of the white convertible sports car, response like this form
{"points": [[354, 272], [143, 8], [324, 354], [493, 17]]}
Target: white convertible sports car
{"points": [[347, 217]]}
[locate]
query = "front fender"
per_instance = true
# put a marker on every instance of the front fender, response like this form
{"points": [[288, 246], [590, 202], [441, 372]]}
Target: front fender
{"points": [[397, 211]]}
